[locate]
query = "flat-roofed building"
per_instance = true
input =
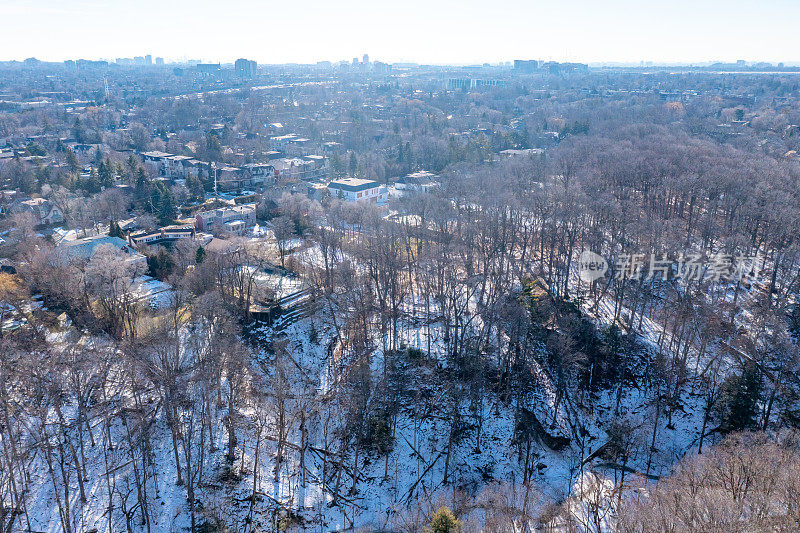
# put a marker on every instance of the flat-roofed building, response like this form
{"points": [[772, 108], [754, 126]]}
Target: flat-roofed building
{"points": [[156, 161], [358, 190], [218, 220], [174, 166], [418, 181], [167, 233]]}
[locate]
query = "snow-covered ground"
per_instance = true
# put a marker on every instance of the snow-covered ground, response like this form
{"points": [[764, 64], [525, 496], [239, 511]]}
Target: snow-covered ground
{"points": [[157, 294], [374, 491]]}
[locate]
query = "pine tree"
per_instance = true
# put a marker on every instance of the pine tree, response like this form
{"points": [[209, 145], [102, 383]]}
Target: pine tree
{"points": [[738, 405], [72, 161], [195, 187], [160, 265], [106, 173], [132, 165], [141, 178], [444, 522], [91, 185], [336, 165], [353, 164], [78, 131], [213, 146], [167, 210]]}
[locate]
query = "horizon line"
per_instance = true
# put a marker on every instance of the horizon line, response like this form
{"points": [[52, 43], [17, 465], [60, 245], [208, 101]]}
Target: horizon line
{"points": [[646, 63]]}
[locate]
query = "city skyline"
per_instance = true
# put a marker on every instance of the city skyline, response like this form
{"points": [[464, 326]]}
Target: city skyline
{"points": [[620, 31]]}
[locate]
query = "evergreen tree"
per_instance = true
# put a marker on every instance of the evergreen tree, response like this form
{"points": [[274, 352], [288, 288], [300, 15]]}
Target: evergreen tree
{"points": [[444, 522], [200, 255], [141, 178], [353, 164], [43, 175], [213, 146], [155, 197], [161, 264], [91, 185], [167, 212], [36, 150], [114, 230], [739, 396], [132, 165], [336, 165], [106, 173], [21, 177], [78, 131], [195, 186], [72, 161]]}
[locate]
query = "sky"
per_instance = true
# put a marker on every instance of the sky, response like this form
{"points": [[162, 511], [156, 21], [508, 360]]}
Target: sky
{"points": [[422, 31]]}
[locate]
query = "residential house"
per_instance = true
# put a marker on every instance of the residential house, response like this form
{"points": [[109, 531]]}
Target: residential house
{"points": [[167, 233], [305, 168], [291, 144], [530, 152], [85, 249], [421, 181], [234, 219], [232, 178], [175, 166], [260, 173], [43, 211], [358, 190], [156, 161], [84, 152]]}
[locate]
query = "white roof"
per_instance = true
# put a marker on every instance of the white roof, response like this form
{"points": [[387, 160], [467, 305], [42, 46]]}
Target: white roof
{"points": [[354, 182]]}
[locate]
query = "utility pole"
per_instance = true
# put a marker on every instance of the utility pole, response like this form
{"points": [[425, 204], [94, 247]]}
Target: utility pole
{"points": [[214, 167]]}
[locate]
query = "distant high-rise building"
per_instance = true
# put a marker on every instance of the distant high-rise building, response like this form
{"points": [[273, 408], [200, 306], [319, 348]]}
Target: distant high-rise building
{"points": [[366, 59], [209, 69], [355, 61], [381, 67], [159, 61], [464, 84], [526, 65], [148, 59], [90, 64], [245, 68]]}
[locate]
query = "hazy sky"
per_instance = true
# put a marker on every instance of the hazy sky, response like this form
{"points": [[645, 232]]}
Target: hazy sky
{"points": [[426, 31]]}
